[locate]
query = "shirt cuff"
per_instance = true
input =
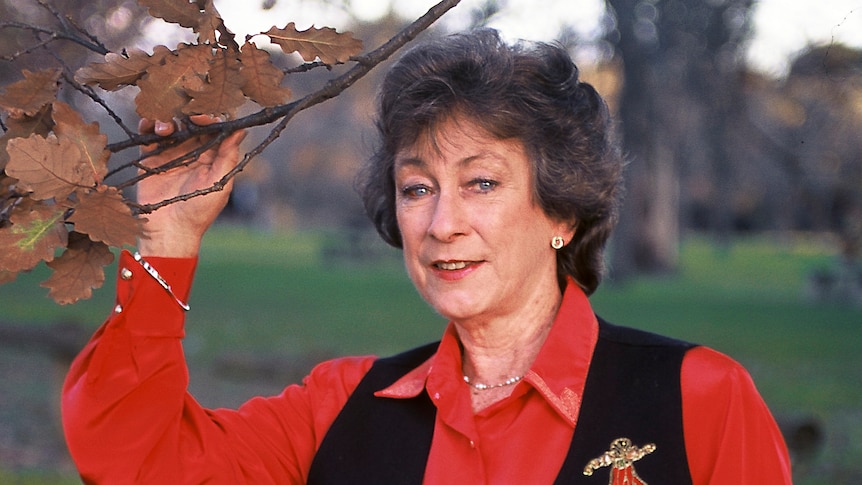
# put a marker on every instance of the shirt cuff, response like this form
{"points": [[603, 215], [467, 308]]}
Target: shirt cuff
{"points": [[144, 307]]}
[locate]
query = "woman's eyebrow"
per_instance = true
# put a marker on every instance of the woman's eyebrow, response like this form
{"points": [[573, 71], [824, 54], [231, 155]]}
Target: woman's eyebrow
{"points": [[491, 157], [482, 156], [411, 161]]}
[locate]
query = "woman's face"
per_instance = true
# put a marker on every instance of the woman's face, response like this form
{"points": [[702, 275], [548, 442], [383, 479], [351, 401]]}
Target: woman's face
{"points": [[475, 244]]}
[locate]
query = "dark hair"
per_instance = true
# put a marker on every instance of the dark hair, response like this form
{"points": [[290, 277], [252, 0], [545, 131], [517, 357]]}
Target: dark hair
{"points": [[530, 92]]}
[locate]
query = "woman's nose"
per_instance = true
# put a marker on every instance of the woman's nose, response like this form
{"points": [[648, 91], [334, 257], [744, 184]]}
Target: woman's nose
{"points": [[448, 219]]}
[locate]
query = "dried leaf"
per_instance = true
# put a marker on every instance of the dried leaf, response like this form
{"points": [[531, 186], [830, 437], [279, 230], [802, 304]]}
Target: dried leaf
{"points": [[49, 167], [78, 270], [35, 233], [262, 80], [222, 94], [29, 95], [174, 11], [204, 19], [105, 217], [23, 127], [87, 137], [118, 71], [324, 43], [210, 22], [163, 88]]}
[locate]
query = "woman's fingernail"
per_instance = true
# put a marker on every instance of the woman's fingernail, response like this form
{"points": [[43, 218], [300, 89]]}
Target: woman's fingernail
{"points": [[162, 126]]}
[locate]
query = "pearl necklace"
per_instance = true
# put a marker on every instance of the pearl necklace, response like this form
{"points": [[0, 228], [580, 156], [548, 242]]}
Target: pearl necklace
{"points": [[484, 387]]}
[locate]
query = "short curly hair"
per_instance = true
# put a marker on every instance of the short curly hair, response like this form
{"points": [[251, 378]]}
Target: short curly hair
{"points": [[525, 91]]}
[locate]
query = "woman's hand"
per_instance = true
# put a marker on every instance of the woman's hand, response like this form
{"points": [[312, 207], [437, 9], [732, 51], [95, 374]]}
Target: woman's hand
{"points": [[176, 230]]}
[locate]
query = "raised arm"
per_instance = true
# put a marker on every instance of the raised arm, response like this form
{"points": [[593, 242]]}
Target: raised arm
{"points": [[127, 414]]}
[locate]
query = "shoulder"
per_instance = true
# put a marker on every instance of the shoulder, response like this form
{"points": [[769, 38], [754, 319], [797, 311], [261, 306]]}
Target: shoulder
{"points": [[724, 418], [339, 374], [708, 372], [706, 369], [636, 337], [411, 358], [718, 389], [344, 374]]}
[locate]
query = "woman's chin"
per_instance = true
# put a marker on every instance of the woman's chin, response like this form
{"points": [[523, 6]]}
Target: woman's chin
{"points": [[457, 309]]}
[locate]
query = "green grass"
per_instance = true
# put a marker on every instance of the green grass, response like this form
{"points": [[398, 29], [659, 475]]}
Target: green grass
{"points": [[277, 295]]}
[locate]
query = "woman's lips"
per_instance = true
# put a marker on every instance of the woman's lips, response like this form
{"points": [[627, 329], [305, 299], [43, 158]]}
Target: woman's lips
{"points": [[454, 270]]}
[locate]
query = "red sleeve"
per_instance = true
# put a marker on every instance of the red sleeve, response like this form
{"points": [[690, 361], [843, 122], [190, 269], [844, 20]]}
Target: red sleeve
{"points": [[128, 417], [731, 437]]}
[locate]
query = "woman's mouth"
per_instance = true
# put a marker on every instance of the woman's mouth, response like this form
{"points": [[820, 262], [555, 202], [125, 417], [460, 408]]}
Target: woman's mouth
{"points": [[454, 270], [451, 265]]}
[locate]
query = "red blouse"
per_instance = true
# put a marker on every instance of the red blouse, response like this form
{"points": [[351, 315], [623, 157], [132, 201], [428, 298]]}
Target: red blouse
{"points": [[128, 417]]}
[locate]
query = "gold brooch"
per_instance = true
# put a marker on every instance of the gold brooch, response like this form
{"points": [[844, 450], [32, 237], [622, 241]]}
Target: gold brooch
{"points": [[621, 457]]}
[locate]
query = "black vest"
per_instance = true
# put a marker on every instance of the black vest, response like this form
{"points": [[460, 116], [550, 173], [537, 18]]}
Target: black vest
{"points": [[632, 391]]}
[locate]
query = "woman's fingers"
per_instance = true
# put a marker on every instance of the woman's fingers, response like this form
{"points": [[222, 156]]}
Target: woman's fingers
{"points": [[145, 125], [204, 120], [223, 157], [227, 156], [164, 128], [154, 126]]}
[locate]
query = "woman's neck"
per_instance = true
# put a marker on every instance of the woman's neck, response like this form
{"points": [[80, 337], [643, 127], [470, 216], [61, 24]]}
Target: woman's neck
{"points": [[503, 349]]}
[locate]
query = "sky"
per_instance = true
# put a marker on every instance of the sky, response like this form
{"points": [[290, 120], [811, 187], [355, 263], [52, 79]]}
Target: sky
{"points": [[782, 27]]}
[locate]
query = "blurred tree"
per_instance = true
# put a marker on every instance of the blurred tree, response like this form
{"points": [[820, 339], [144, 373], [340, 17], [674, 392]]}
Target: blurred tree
{"points": [[809, 127], [681, 83]]}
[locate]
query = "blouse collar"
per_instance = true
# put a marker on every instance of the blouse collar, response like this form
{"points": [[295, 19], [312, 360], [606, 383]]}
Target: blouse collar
{"points": [[558, 373]]}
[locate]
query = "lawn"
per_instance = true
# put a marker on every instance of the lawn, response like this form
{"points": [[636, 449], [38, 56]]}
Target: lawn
{"points": [[265, 307]]}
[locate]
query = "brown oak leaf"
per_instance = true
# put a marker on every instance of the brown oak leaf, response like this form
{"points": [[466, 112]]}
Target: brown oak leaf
{"points": [[90, 141], [324, 43], [174, 11], [29, 95], [222, 94], [118, 71], [78, 270], [200, 18], [105, 217], [48, 167], [23, 127], [36, 231], [262, 80], [210, 22], [163, 88]]}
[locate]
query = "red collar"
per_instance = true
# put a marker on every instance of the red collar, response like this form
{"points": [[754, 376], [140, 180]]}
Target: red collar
{"points": [[558, 374]]}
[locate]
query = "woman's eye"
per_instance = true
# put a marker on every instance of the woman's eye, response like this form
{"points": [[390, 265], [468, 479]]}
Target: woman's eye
{"points": [[415, 191], [484, 185]]}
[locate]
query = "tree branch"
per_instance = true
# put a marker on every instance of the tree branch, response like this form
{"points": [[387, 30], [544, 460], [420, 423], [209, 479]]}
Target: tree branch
{"points": [[333, 88], [285, 113]]}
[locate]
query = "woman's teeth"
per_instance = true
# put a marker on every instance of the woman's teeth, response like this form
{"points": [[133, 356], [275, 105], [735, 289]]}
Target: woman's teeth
{"points": [[452, 266]]}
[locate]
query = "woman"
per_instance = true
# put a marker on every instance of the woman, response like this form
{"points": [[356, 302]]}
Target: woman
{"points": [[497, 175]]}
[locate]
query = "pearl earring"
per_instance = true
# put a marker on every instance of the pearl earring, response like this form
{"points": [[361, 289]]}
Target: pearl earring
{"points": [[557, 242]]}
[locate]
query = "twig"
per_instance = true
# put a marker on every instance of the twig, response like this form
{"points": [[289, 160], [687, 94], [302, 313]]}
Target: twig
{"points": [[181, 161], [88, 91], [305, 67], [69, 27]]}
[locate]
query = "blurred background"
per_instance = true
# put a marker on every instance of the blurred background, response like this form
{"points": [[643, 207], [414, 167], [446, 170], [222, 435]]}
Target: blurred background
{"points": [[741, 230]]}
